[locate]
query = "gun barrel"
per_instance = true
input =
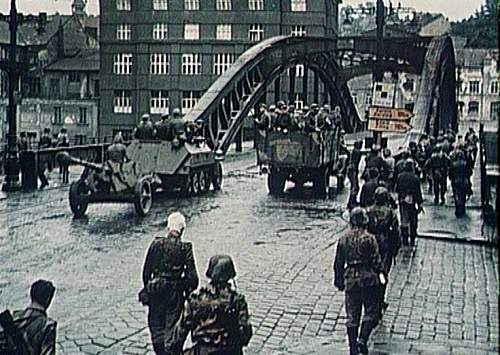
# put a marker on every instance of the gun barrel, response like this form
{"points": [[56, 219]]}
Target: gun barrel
{"points": [[65, 158]]}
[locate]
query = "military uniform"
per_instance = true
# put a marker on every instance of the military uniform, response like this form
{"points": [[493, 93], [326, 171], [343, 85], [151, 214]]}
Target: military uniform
{"points": [[410, 199], [144, 131], [169, 276], [368, 192], [439, 165], [37, 329], [356, 268], [460, 181], [374, 160], [163, 131]]}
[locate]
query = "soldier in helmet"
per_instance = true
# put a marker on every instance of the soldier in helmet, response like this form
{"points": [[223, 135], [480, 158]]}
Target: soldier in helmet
{"points": [[117, 152], [177, 126], [357, 269], [410, 201], [162, 128], [460, 173], [439, 165], [384, 226], [169, 276], [216, 315], [311, 118], [374, 160], [145, 129], [263, 118]]}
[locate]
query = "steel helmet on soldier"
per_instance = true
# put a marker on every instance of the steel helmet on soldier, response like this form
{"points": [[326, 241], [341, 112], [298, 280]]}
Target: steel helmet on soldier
{"points": [[381, 195], [221, 268], [358, 217], [164, 115], [176, 112]]}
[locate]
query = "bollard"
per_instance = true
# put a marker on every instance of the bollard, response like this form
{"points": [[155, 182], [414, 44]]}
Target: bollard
{"points": [[29, 178]]}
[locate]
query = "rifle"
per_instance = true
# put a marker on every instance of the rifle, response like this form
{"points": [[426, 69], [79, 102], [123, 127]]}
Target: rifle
{"points": [[15, 341]]}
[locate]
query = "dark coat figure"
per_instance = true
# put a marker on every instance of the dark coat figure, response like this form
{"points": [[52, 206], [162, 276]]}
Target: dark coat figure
{"points": [[22, 142], [45, 142], [353, 172], [368, 190], [117, 152], [145, 129], [36, 328], [384, 225], [439, 165], [216, 315], [357, 267], [460, 173], [410, 202], [169, 276], [63, 142], [163, 132], [374, 160], [263, 119]]}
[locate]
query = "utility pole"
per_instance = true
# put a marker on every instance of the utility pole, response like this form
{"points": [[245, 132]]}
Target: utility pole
{"points": [[11, 181], [378, 70]]}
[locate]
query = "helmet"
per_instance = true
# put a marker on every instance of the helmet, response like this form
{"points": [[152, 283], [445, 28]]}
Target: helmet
{"points": [[280, 103], [220, 268], [176, 112], [145, 117], [358, 217], [337, 109], [164, 115], [314, 106], [176, 222], [409, 165], [272, 108], [381, 195]]}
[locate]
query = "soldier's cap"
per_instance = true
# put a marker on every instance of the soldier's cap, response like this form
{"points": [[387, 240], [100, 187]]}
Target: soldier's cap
{"points": [[164, 114], [42, 292], [272, 107], [314, 106], [381, 195], [358, 217], [176, 111], [145, 117], [176, 222], [221, 268], [280, 103]]}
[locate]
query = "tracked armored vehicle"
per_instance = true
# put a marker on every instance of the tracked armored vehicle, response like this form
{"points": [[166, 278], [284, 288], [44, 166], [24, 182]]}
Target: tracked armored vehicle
{"points": [[189, 168]]}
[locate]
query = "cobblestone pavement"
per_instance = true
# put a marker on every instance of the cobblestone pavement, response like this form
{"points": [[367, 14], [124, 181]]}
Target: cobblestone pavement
{"points": [[443, 297]]}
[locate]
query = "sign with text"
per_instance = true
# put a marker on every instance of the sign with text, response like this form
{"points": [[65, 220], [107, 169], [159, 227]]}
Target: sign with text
{"points": [[383, 94], [384, 125], [389, 113]]}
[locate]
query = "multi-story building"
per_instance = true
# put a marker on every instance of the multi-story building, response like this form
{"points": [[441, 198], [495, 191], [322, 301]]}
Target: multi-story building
{"points": [[478, 80], [161, 54]]}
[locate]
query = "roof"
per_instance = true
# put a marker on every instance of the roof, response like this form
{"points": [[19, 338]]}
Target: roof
{"points": [[84, 62], [469, 57]]}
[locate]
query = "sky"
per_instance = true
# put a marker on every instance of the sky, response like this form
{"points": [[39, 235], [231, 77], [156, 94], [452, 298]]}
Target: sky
{"points": [[453, 9]]}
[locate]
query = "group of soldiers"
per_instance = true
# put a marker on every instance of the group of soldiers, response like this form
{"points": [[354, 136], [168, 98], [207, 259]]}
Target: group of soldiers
{"points": [[171, 129], [287, 118]]}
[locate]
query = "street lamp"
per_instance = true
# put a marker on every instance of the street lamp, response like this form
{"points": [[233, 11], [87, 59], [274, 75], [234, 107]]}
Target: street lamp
{"points": [[11, 180]]}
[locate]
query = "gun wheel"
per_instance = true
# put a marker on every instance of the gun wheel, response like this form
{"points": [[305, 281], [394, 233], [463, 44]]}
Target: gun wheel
{"points": [[77, 198], [195, 181], [143, 197], [217, 176], [204, 181]]}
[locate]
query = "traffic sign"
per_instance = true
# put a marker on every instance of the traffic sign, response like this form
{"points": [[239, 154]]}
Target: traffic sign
{"points": [[385, 125], [383, 94], [384, 113]]}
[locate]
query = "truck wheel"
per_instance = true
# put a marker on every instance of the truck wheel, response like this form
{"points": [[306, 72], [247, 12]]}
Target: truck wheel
{"points": [[204, 181], [276, 182], [217, 176], [77, 198], [321, 182], [143, 197], [195, 178]]}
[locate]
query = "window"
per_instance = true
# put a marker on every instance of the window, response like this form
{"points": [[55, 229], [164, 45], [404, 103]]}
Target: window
{"points": [[160, 31], [474, 87], [223, 32], [299, 70], [189, 100], [4, 53], [122, 64], [191, 4], [222, 62], [298, 102], [82, 119], [191, 31], [124, 32], [223, 5], [494, 87], [58, 115], [123, 5], [160, 4], [256, 32], [473, 108], [191, 64], [494, 110], [159, 101], [159, 63], [74, 78], [355, 98], [255, 5], [123, 101], [368, 99], [298, 5], [298, 31]]}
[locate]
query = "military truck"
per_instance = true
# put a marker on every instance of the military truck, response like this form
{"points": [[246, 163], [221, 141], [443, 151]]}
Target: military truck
{"points": [[300, 157], [190, 168]]}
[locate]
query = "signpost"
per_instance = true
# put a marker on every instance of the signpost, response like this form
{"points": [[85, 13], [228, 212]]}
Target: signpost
{"points": [[384, 113], [383, 119], [398, 126]]}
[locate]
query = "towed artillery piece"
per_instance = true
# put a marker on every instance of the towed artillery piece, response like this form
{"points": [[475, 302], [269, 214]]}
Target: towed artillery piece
{"points": [[190, 168]]}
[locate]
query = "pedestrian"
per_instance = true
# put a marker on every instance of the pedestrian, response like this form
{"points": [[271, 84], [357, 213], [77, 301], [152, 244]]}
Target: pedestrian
{"points": [[63, 142], [169, 276], [390, 163], [353, 172], [32, 324], [45, 142], [216, 315], [410, 202], [357, 271], [22, 142], [367, 195], [374, 160], [145, 129], [263, 118], [460, 173], [384, 225], [439, 165]]}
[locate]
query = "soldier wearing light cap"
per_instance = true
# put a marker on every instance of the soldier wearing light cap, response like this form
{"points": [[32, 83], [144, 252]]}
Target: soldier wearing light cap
{"points": [[145, 129], [216, 315], [169, 277]]}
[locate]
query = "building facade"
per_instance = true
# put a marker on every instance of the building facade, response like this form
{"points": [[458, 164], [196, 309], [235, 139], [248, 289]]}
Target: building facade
{"points": [[160, 54]]}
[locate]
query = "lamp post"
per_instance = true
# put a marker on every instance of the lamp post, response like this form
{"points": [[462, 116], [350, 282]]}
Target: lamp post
{"points": [[11, 180]]}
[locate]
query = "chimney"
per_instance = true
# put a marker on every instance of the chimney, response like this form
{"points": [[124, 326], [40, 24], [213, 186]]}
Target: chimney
{"points": [[42, 22]]}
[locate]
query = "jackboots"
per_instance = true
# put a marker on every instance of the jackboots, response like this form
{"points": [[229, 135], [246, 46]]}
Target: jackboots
{"points": [[352, 335], [366, 330], [159, 349]]}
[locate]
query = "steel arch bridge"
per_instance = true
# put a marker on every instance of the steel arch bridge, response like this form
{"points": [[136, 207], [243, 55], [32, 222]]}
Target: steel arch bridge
{"points": [[230, 98]]}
